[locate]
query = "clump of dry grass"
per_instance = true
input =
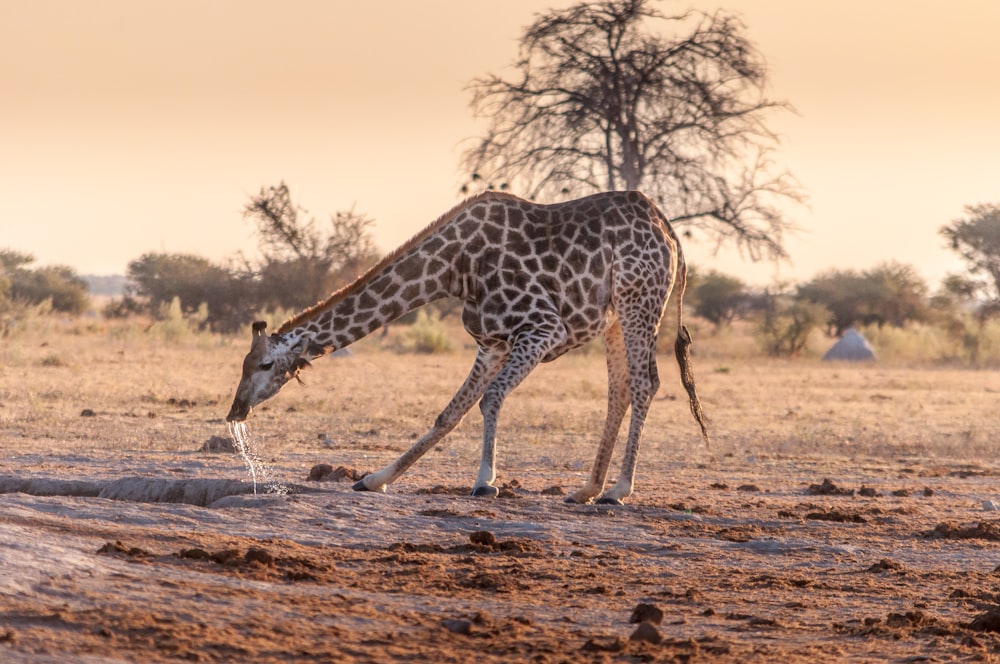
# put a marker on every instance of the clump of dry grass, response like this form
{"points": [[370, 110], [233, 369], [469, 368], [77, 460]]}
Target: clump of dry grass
{"points": [[426, 335], [977, 345]]}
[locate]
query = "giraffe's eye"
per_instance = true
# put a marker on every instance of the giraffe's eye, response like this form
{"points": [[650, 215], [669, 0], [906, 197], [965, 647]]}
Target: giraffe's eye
{"points": [[266, 366]]}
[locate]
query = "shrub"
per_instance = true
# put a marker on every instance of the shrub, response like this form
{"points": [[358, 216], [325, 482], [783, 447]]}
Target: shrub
{"points": [[719, 298], [174, 326], [60, 285], [786, 326], [427, 335]]}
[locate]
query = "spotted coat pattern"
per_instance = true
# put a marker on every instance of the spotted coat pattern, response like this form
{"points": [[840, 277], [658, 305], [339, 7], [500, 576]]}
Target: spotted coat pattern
{"points": [[536, 281]]}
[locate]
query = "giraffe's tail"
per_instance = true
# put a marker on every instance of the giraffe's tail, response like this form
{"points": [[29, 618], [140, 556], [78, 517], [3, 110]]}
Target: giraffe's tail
{"points": [[682, 347]]}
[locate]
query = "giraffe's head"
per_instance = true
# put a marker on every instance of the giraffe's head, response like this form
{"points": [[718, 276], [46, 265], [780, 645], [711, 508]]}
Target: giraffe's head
{"points": [[272, 361]]}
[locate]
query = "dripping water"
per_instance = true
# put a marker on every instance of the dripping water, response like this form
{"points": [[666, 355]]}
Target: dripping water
{"points": [[259, 471]]}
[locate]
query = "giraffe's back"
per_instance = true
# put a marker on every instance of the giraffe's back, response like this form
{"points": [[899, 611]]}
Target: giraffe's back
{"points": [[520, 262]]}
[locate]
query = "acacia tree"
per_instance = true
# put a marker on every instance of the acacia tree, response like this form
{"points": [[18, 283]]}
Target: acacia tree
{"points": [[156, 279], [19, 282], [719, 298], [888, 294], [976, 239], [301, 263], [603, 100]]}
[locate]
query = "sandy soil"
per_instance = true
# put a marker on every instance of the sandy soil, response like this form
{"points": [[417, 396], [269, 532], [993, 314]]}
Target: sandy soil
{"points": [[834, 533]]}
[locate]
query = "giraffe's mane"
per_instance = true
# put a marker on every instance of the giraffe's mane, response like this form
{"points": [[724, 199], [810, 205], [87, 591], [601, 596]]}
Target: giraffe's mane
{"points": [[359, 284]]}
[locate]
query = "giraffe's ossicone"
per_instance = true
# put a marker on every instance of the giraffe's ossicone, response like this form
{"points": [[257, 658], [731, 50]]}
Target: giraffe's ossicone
{"points": [[536, 281]]}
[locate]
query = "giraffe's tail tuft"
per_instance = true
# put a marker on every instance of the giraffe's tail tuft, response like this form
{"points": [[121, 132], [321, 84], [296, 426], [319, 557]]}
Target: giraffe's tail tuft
{"points": [[682, 349]]}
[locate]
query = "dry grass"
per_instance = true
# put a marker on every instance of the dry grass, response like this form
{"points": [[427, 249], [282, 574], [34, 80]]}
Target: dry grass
{"points": [[152, 395]]}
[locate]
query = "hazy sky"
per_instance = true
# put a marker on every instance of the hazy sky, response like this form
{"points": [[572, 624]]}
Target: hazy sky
{"points": [[128, 127]]}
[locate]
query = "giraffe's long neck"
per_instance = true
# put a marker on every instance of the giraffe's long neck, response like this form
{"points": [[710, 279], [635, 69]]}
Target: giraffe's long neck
{"points": [[414, 278]]}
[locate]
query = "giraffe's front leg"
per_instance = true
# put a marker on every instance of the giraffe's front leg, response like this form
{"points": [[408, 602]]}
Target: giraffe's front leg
{"points": [[525, 354], [490, 408], [485, 368], [483, 488]]}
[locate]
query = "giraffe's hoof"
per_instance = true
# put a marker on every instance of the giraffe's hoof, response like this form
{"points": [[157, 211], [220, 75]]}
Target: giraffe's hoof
{"points": [[609, 501], [485, 491], [361, 486], [572, 500]]}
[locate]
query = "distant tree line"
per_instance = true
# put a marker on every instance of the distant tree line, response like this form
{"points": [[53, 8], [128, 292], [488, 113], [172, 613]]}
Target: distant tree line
{"points": [[301, 261], [23, 286], [890, 294]]}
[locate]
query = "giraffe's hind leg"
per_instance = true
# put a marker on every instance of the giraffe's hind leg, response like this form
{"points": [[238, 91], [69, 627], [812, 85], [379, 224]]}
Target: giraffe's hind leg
{"points": [[640, 324], [618, 402], [483, 371]]}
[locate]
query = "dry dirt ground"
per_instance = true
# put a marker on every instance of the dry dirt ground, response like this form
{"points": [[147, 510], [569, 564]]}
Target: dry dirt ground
{"points": [[842, 514]]}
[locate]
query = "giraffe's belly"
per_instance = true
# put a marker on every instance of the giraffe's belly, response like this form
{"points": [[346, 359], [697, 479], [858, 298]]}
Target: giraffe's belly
{"points": [[498, 331], [506, 304], [582, 337]]}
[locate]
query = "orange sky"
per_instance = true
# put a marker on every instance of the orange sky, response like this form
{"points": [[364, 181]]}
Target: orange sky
{"points": [[128, 127]]}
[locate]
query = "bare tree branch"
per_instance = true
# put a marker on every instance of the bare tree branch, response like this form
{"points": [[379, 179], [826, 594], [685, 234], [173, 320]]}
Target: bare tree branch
{"points": [[600, 102]]}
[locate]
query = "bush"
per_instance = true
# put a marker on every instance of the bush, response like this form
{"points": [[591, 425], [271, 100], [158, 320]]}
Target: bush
{"points": [[719, 298], [59, 285], [888, 294], [786, 326], [427, 335], [160, 279]]}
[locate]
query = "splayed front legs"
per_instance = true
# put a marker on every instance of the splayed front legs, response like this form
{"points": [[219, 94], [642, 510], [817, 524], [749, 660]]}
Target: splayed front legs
{"points": [[494, 375]]}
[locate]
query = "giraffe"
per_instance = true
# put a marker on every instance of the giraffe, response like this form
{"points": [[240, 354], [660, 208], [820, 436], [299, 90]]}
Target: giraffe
{"points": [[536, 281]]}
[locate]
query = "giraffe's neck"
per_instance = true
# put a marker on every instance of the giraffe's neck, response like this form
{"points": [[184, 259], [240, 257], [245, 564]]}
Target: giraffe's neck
{"points": [[411, 280]]}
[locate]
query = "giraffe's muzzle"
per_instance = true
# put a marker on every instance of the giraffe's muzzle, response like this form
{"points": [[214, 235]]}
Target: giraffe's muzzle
{"points": [[238, 412]]}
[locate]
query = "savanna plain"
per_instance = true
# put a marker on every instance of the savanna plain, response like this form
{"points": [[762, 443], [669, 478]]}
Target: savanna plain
{"points": [[843, 512]]}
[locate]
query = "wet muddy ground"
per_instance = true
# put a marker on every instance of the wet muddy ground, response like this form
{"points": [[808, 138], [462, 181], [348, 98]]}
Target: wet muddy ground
{"points": [[744, 559]]}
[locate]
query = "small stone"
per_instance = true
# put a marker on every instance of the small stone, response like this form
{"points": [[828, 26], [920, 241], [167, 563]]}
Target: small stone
{"points": [[345, 473], [87, 412], [219, 444], [457, 626], [262, 556], [483, 538], [646, 613], [320, 472], [986, 622], [990, 506], [646, 632]]}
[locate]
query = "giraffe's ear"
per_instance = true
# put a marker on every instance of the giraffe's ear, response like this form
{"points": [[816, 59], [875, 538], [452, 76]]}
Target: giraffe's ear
{"points": [[258, 334]]}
